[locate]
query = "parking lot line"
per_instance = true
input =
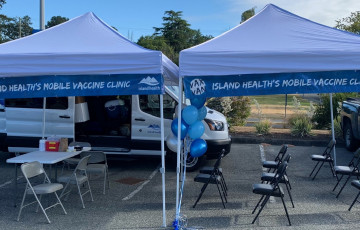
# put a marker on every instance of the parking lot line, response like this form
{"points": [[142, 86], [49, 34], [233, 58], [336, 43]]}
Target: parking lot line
{"points": [[138, 189], [9, 182]]}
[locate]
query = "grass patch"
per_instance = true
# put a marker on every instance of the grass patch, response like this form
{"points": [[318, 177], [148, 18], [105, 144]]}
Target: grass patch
{"points": [[279, 99]]}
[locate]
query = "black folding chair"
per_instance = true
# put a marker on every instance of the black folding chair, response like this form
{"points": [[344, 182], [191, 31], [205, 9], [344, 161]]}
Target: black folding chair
{"points": [[351, 170], [272, 189], [356, 184], [212, 178], [325, 157], [269, 177], [218, 171], [278, 159]]}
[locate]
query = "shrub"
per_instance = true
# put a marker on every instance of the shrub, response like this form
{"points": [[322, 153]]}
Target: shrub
{"points": [[236, 109], [337, 129], [300, 125], [241, 110], [263, 127], [322, 117]]}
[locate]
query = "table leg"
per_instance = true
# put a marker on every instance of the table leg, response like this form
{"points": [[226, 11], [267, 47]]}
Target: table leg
{"points": [[56, 172], [15, 185]]}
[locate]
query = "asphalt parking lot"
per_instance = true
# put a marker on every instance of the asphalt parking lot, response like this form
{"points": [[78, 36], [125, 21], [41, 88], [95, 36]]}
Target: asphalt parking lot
{"points": [[134, 200]]}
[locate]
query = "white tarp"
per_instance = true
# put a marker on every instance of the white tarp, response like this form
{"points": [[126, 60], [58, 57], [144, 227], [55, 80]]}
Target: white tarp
{"points": [[83, 45], [273, 41]]}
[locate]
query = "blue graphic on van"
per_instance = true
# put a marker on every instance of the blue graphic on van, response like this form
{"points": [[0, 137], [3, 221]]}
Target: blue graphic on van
{"points": [[154, 127]]}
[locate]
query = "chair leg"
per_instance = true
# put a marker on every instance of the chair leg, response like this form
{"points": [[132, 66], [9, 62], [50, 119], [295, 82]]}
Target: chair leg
{"points": [[92, 199], [289, 192], [354, 201], [22, 203], [287, 214], [201, 192], [314, 168], [338, 181], [58, 199], [104, 181], [222, 200], [258, 204], [261, 208], [81, 198], [322, 163], [347, 179], [332, 168]]}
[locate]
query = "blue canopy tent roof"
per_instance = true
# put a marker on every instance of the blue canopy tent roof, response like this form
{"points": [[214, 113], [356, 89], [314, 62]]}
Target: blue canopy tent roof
{"points": [[83, 56], [274, 52]]}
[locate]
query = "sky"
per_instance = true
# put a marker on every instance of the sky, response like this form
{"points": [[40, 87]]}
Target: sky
{"points": [[136, 18]]}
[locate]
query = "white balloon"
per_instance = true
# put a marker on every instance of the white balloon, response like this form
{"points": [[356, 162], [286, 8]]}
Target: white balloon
{"points": [[176, 110], [171, 142]]}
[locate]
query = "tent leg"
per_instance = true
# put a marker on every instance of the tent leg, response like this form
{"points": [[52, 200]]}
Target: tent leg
{"points": [[332, 126], [162, 156], [178, 148]]}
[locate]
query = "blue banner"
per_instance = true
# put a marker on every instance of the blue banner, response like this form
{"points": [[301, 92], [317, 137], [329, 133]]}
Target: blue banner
{"points": [[270, 84], [81, 85]]}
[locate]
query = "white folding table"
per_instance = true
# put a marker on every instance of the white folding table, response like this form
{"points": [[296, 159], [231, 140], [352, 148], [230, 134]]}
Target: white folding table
{"points": [[44, 157]]}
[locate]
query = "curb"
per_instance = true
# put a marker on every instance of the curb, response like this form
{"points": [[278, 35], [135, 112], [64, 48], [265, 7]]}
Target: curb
{"points": [[299, 142]]}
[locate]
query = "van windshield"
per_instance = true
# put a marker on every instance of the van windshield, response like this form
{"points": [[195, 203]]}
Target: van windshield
{"points": [[175, 90]]}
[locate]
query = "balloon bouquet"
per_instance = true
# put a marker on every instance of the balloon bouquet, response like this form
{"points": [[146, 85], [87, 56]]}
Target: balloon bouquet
{"points": [[191, 130]]}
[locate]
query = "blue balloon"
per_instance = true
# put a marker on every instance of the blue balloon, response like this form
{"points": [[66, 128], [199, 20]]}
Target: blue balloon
{"points": [[198, 148], [198, 101], [174, 128], [196, 130], [189, 114], [202, 113]]}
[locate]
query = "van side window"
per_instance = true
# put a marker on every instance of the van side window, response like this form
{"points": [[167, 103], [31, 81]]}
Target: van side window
{"points": [[151, 104], [37, 103], [30, 103], [57, 103]]}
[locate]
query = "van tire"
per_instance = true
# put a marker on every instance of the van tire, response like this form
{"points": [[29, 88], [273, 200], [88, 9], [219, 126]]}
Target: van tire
{"points": [[350, 142], [192, 164]]}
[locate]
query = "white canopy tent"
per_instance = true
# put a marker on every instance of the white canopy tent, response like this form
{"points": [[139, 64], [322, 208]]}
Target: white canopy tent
{"points": [[84, 50], [274, 52]]}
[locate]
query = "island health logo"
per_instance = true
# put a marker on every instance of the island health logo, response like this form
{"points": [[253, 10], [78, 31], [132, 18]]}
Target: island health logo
{"points": [[197, 86], [151, 82]]}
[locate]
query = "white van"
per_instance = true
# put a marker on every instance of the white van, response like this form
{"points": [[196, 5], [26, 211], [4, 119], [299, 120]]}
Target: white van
{"points": [[126, 125]]}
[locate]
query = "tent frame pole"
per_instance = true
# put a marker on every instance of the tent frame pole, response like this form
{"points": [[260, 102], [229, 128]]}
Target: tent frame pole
{"points": [[332, 125], [178, 148], [162, 170]]}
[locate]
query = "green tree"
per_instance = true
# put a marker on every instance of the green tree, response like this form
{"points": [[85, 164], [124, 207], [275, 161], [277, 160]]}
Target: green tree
{"points": [[351, 23], [55, 20], [10, 28], [247, 14], [177, 32], [322, 118], [2, 2], [158, 43]]}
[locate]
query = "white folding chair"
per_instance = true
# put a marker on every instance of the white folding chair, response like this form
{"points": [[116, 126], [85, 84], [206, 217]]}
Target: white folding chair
{"points": [[97, 165], [34, 169], [74, 160], [78, 178]]}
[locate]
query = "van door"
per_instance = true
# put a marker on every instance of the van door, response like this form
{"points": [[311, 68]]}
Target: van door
{"points": [[24, 121], [145, 129]]}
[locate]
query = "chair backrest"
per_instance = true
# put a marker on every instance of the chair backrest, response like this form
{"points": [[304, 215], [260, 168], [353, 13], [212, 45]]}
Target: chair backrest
{"points": [[281, 153], [81, 144], [95, 156], [287, 158], [329, 148], [32, 169], [82, 164], [279, 174]]}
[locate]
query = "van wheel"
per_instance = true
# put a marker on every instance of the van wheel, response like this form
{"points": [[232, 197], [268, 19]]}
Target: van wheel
{"points": [[192, 163], [350, 142]]}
